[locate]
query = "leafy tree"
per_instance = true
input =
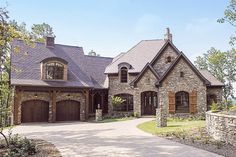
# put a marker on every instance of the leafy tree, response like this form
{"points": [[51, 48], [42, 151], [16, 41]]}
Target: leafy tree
{"points": [[116, 100], [40, 31], [7, 33], [230, 17], [92, 53], [222, 66]]}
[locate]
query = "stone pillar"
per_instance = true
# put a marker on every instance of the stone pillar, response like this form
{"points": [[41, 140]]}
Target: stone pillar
{"points": [[82, 115], [98, 114], [161, 118]]}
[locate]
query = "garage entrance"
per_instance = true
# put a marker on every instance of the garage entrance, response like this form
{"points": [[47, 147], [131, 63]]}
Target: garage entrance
{"points": [[68, 110], [34, 111]]}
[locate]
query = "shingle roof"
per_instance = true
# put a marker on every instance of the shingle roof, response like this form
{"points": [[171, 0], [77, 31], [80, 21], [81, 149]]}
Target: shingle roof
{"points": [[26, 65], [138, 56], [211, 78], [95, 69]]}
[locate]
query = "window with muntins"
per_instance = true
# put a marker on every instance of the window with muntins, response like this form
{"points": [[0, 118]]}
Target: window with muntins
{"points": [[127, 105], [54, 71], [182, 102], [124, 75]]}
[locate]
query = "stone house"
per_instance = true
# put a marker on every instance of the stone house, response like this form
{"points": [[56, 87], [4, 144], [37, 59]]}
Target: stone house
{"points": [[54, 82]]}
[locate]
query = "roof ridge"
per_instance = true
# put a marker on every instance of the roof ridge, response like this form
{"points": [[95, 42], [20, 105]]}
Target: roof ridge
{"points": [[98, 56], [38, 42]]}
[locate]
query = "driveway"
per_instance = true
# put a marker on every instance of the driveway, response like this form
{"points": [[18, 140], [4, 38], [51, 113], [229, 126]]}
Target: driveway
{"points": [[116, 139]]}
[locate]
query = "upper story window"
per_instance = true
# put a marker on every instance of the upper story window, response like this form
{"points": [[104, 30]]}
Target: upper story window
{"points": [[123, 75], [168, 59], [54, 71], [54, 68]]}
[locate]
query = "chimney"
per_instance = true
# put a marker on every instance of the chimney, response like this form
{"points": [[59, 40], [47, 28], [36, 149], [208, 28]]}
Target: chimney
{"points": [[168, 35], [50, 41]]}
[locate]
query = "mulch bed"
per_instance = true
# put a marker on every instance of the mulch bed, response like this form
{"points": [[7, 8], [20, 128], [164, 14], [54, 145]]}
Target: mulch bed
{"points": [[45, 149], [200, 139]]}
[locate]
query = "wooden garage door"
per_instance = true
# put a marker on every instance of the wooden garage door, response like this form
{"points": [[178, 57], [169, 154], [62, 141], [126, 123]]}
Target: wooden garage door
{"points": [[68, 110], [34, 111]]}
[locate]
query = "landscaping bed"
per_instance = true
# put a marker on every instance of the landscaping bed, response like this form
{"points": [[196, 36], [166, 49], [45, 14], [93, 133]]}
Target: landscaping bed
{"points": [[43, 149], [189, 132]]}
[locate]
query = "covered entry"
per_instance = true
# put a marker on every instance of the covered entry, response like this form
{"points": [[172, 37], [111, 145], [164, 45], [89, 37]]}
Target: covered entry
{"points": [[149, 102], [68, 110], [34, 111]]}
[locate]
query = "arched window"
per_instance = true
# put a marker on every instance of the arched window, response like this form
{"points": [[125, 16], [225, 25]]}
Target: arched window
{"points": [[127, 105], [54, 71], [123, 75], [168, 59], [182, 102]]}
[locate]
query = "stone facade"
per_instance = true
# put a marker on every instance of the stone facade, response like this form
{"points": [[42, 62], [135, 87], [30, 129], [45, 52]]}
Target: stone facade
{"points": [[221, 127], [189, 83], [161, 64], [146, 83], [23, 96], [216, 91]]}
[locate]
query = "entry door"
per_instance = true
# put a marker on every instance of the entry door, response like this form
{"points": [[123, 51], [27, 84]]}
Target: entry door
{"points": [[149, 102]]}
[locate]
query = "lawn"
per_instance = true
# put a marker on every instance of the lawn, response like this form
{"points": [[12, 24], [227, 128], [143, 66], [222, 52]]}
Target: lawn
{"points": [[172, 126]]}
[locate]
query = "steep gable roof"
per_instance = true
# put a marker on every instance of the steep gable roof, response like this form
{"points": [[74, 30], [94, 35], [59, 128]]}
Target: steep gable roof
{"points": [[95, 67], [182, 56], [138, 56], [147, 66], [162, 50], [211, 78], [26, 66]]}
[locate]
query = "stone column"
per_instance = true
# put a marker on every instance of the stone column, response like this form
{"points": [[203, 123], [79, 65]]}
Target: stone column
{"points": [[98, 114], [161, 118]]}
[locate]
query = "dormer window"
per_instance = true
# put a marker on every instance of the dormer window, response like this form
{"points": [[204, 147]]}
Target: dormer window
{"points": [[123, 75], [54, 71], [54, 68], [168, 59]]}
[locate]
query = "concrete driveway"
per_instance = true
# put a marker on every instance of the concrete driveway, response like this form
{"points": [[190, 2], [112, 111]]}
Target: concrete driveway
{"points": [[116, 139]]}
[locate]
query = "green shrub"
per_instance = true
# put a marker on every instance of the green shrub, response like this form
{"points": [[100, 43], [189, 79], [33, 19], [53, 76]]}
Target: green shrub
{"points": [[20, 147], [214, 107]]}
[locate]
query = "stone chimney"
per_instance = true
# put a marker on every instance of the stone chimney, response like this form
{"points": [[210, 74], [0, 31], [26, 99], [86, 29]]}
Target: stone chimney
{"points": [[50, 41], [168, 35]]}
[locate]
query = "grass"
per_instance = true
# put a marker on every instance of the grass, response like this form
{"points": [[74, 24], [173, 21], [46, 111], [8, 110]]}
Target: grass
{"points": [[109, 120], [172, 126]]}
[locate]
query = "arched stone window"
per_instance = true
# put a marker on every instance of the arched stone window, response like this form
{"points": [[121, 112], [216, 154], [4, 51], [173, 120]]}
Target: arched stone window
{"points": [[182, 102], [168, 59], [123, 75], [127, 105]]}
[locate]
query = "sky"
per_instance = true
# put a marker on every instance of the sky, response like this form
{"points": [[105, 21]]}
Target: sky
{"points": [[112, 26]]}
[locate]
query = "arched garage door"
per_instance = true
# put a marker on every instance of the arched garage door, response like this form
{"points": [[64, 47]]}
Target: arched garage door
{"points": [[68, 110], [34, 111]]}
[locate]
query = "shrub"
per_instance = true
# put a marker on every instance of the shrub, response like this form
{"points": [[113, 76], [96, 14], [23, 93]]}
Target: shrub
{"points": [[214, 107], [20, 147]]}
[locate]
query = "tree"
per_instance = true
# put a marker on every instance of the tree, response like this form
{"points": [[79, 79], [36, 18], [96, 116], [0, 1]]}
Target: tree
{"points": [[230, 17], [92, 53], [40, 31], [222, 66], [7, 33]]}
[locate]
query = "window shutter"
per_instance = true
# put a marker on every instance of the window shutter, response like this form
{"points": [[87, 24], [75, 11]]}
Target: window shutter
{"points": [[171, 102], [193, 102]]}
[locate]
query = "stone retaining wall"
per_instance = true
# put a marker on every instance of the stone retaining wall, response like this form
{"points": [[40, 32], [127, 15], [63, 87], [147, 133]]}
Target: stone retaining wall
{"points": [[221, 127]]}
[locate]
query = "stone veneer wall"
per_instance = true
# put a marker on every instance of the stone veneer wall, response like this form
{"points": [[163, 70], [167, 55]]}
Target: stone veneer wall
{"points": [[160, 65], [146, 83], [217, 91], [190, 82], [27, 96], [221, 127]]}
